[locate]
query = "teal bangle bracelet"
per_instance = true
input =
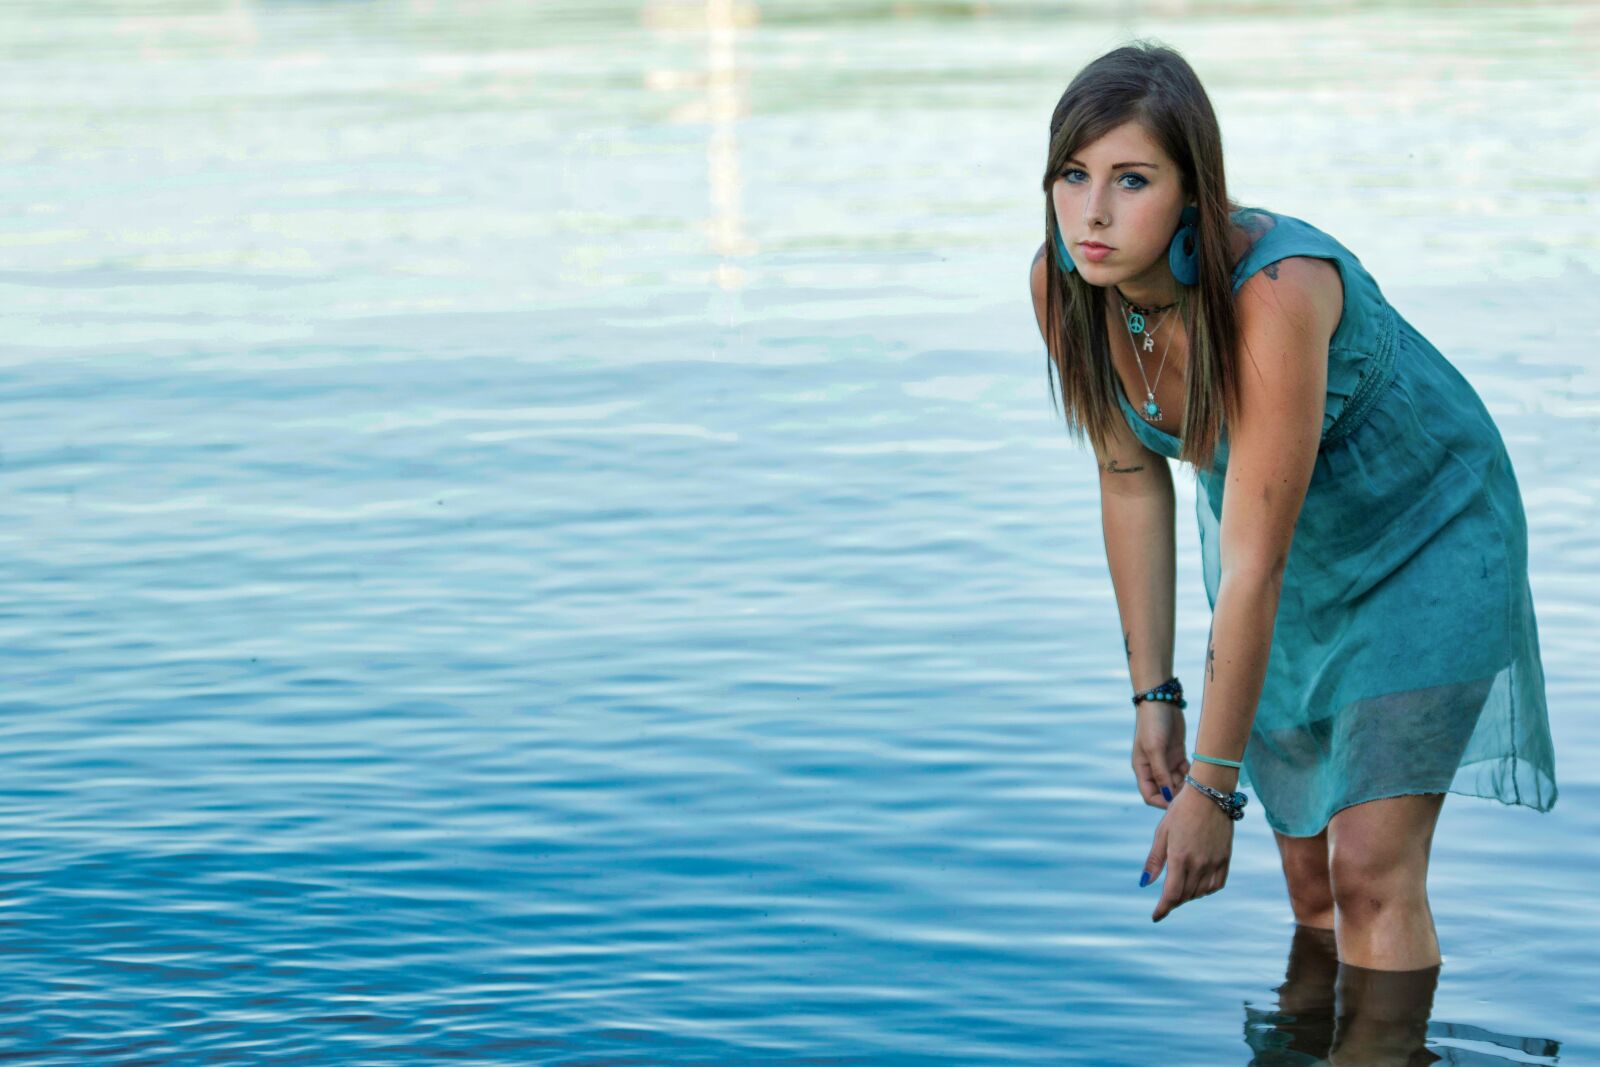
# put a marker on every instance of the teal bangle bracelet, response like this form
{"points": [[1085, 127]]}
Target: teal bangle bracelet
{"points": [[1222, 762]]}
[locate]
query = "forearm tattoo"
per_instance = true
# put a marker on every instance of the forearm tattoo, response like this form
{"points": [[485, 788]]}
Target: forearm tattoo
{"points": [[1211, 659], [1127, 648]]}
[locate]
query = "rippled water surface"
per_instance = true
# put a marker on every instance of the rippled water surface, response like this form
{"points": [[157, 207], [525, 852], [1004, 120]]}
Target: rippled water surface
{"points": [[536, 533]]}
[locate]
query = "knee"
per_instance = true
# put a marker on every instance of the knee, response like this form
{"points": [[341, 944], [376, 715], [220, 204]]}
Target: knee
{"points": [[1368, 883], [1310, 888]]}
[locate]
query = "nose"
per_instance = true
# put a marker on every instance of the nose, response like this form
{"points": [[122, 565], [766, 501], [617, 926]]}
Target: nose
{"points": [[1094, 206]]}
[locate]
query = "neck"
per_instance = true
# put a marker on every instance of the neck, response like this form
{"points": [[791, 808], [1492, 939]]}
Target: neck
{"points": [[1155, 288]]}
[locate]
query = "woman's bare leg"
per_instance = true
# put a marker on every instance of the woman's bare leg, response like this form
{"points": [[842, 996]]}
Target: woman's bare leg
{"points": [[1307, 874], [1379, 865]]}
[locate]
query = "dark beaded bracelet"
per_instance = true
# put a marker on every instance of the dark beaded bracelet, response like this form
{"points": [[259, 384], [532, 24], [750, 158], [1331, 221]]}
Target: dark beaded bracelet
{"points": [[1169, 691]]}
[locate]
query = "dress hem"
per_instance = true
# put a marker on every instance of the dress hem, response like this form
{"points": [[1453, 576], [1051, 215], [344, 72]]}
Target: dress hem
{"points": [[1554, 793]]}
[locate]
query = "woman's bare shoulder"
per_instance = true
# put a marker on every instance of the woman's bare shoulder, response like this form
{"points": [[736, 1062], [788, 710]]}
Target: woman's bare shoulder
{"points": [[1302, 286]]}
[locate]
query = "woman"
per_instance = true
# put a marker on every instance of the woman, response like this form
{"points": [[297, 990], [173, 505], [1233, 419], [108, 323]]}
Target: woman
{"points": [[1373, 643]]}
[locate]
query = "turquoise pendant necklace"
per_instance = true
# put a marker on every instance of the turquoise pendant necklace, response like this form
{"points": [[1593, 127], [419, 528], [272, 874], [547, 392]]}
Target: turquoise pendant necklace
{"points": [[1134, 317]]}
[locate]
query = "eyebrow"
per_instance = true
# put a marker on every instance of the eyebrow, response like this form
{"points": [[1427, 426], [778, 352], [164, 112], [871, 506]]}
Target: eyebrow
{"points": [[1119, 166]]}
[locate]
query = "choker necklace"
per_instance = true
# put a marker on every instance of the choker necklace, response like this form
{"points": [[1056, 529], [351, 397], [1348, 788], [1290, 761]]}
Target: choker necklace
{"points": [[1144, 310], [1135, 321]]}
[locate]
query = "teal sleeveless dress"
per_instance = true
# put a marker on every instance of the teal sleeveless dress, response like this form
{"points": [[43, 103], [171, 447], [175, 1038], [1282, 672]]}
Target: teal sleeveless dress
{"points": [[1405, 654]]}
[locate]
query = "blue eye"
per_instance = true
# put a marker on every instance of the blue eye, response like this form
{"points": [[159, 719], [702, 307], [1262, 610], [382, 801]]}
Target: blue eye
{"points": [[1142, 182]]}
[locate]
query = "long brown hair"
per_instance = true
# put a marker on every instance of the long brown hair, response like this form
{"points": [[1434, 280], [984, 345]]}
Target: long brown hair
{"points": [[1152, 84]]}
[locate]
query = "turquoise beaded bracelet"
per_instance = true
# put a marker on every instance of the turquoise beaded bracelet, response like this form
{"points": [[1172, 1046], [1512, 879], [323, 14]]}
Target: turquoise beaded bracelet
{"points": [[1170, 691]]}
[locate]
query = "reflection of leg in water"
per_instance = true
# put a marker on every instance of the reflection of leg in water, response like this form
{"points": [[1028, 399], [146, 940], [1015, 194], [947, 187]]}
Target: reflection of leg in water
{"points": [[1303, 1024], [1333, 1014], [1312, 968], [1382, 1016]]}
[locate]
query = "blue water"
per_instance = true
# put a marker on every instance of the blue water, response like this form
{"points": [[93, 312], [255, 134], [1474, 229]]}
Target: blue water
{"points": [[538, 534]]}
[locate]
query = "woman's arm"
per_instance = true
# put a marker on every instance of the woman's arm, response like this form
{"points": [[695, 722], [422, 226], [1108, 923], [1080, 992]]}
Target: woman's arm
{"points": [[1137, 519], [1137, 508], [1285, 319]]}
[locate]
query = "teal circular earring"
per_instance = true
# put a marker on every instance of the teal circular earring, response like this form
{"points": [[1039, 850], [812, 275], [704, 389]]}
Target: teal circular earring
{"points": [[1067, 266], [1183, 254]]}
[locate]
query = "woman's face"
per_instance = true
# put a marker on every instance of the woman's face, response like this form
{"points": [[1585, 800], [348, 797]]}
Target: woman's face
{"points": [[1121, 191]]}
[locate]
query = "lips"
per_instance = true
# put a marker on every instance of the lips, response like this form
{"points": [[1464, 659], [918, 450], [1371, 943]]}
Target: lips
{"points": [[1093, 245]]}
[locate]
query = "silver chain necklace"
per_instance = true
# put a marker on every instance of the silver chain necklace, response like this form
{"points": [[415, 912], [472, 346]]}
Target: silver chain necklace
{"points": [[1133, 317]]}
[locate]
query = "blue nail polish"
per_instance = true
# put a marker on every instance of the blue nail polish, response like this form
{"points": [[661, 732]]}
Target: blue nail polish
{"points": [[1166, 792], [1144, 879]]}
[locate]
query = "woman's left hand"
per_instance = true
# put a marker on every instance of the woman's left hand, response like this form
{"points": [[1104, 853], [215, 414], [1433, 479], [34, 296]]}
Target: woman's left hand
{"points": [[1194, 841]]}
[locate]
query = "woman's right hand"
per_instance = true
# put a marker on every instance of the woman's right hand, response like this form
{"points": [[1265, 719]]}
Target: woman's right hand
{"points": [[1159, 751]]}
